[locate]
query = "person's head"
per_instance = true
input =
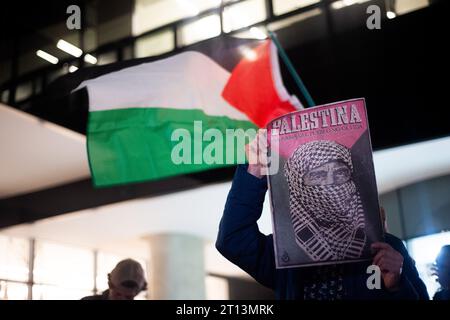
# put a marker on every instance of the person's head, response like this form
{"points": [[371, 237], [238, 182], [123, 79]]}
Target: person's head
{"points": [[320, 174], [443, 267], [334, 172], [324, 204], [126, 280]]}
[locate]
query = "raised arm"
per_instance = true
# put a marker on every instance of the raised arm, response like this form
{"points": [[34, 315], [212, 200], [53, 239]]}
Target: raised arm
{"points": [[239, 239]]}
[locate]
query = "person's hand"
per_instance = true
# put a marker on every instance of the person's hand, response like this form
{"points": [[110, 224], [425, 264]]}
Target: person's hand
{"points": [[390, 263], [256, 154]]}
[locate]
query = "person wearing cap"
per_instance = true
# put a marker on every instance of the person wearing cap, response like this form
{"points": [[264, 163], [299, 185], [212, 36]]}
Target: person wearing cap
{"points": [[125, 282], [442, 268]]}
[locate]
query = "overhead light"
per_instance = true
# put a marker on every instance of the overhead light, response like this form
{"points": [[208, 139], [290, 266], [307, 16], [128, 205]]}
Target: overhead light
{"points": [[73, 69], [90, 59], [391, 14], [248, 53], [69, 48], [337, 5], [258, 33], [47, 56]]}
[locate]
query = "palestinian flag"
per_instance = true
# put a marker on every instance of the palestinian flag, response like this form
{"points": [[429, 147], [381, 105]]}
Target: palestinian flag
{"points": [[224, 83]]}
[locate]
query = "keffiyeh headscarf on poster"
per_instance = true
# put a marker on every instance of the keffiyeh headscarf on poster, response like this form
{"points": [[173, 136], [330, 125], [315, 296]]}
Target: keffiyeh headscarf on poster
{"points": [[328, 219]]}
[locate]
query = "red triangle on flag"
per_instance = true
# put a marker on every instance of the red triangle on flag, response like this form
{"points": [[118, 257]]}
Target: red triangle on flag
{"points": [[255, 85]]}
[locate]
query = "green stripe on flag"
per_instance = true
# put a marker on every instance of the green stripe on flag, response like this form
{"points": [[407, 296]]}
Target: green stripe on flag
{"points": [[134, 144]]}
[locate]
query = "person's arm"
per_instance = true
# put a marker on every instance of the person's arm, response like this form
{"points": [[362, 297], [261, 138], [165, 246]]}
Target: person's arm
{"points": [[239, 238], [400, 277], [410, 275]]}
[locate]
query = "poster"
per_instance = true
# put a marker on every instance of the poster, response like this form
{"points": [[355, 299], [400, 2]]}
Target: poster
{"points": [[323, 194]]}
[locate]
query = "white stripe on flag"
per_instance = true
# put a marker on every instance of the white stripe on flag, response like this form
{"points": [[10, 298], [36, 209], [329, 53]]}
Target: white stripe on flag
{"points": [[189, 80]]}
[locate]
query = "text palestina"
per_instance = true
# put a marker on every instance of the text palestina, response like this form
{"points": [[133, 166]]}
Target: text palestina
{"points": [[336, 116]]}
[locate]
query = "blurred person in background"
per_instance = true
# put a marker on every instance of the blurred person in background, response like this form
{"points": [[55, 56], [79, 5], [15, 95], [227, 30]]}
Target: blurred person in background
{"points": [[442, 270], [125, 282]]}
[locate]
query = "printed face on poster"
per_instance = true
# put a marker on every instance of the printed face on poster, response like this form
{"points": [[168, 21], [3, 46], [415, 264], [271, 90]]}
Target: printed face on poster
{"points": [[324, 199]]}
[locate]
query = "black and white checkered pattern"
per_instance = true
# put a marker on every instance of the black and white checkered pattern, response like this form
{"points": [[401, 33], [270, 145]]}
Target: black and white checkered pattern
{"points": [[328, 220]]}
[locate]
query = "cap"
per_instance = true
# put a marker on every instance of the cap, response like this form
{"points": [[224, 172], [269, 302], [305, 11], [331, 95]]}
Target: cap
{"points": [[128, 272]]}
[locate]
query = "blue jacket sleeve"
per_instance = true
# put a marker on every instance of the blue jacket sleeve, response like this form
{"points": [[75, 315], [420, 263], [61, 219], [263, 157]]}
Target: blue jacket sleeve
{"points": [[411, 286], [239, 239]]}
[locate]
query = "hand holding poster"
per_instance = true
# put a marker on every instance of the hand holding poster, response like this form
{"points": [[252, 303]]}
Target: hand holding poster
{"points": [[323, 197]]}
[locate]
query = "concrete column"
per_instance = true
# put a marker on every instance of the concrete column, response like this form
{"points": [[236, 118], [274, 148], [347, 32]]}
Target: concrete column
{"points": [[177, 267]]}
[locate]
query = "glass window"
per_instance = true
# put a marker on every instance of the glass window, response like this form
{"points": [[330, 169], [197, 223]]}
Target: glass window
{"points": [[283, 23], [345, 3], [405, 6], [5, 96], [252, 33], [63, 266], [49, 292], [243, 14], [24, 91], [38, 85], [106, 58], [424, 251], [154, 44], [150, 14], [201, 29], [283, 6], [13, 291], [105, 263], [127, 53], [90, 39], [14, 258]]}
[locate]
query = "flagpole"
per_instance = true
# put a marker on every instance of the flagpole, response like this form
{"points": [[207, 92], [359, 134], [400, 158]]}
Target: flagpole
{"points": [[292, 71]]}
